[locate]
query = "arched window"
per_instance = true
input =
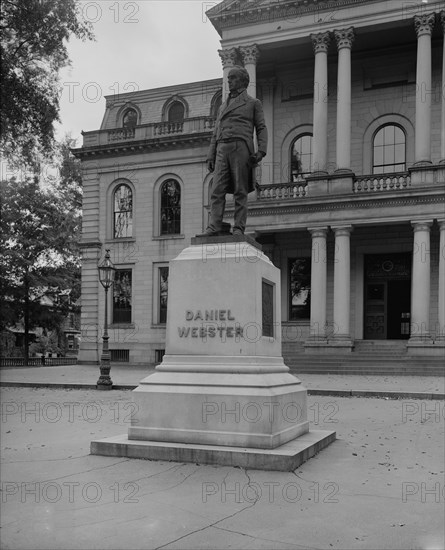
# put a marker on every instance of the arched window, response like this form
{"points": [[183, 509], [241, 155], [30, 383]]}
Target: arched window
{"points": [[130, 118], [123, 211], [301, 157], [170, 207], [389, 150], [216, 104], [176, 112]]}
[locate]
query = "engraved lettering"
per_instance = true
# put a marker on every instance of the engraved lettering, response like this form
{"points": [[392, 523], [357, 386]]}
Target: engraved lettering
{"points": [[183, 331]]}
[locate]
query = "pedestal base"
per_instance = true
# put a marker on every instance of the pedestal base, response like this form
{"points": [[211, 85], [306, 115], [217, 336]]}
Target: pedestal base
{"points": [[285, 458], [235, 401]]}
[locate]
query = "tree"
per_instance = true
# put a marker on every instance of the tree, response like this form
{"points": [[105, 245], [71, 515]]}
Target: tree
{"points": [[33, 50], [39, 232]]}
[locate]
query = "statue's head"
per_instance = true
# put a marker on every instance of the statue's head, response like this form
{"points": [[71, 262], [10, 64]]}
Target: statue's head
{"points": [[241, 74]]}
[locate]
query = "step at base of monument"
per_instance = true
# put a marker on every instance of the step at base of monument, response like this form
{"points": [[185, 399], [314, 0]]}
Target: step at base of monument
{"points": [[285, 458]]}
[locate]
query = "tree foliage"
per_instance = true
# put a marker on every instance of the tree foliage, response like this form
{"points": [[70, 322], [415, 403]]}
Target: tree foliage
{"points": [[33, 50], [39, 232]]}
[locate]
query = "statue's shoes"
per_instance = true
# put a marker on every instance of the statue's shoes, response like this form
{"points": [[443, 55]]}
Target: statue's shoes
{"points": [[209, 233], [237, 232]]}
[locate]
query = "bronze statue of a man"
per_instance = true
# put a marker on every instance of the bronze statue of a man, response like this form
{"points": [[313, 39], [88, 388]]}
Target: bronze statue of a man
{"points": [[231, 154]]}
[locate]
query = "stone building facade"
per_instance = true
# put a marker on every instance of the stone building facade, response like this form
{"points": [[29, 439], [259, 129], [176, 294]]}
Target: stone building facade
{"points": [[350, 202]]}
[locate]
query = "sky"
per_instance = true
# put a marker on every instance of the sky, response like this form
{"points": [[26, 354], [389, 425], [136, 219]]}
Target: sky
{"points": [[139, 45]]}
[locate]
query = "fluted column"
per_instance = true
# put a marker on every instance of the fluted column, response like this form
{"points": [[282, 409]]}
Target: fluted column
{"points": [[320, 43], [342, 284], [440, 336], [442, 142], [250, 56], [228, 58], [424, 26], [344, 40], [318, 284], [420, 283]]}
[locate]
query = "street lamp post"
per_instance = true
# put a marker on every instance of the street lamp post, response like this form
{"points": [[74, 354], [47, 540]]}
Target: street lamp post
{"points": [[106, 278]]}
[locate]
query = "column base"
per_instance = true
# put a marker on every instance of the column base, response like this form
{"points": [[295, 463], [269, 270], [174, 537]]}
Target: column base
{"points": [[317, 346], [421, 346], [341, 182], [422, 174]]}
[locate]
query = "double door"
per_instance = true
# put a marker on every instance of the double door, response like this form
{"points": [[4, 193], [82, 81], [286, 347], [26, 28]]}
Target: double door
{"points": [[387, 297]]}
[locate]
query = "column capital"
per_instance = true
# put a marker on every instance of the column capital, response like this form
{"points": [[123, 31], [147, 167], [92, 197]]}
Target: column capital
{"points": [[344, 37], [318, 231], [320, 41], [342, 230], [422, 225], [250, 54], [441, 224], [228, 57], [424, 24]]}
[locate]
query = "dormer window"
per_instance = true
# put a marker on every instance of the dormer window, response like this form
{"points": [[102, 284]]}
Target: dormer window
{"points": [[176, 112], [130, 118]]}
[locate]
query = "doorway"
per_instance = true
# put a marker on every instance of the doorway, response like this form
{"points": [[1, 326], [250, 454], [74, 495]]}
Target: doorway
{"points": [[387, 305]]}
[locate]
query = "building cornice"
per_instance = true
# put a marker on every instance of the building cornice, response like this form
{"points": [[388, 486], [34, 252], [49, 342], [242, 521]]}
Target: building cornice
{"points": [[232, 13], [126, 148], [425, 195]]}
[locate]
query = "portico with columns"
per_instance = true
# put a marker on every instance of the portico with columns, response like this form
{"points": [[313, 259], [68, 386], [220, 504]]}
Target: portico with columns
{"points": [[336, 175]]}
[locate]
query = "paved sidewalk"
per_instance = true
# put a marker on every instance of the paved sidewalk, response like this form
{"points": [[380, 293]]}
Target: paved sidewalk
{"points": [[378, 486], [128, 377]]}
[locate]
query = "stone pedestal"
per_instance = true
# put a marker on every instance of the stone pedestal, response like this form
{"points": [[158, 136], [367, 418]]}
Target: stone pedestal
{"points": [[222, 383]]}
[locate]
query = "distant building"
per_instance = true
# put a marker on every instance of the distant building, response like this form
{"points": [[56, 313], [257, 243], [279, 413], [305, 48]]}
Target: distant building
{"points": [[350, 204]]}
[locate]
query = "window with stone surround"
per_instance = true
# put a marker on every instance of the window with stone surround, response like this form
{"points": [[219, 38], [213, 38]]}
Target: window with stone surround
{"points": [[163, 294], [122, 296], [176, 112], [299, 270], [122, 212], [301, 157], [389, 150], [170, 211], [130, 118]]}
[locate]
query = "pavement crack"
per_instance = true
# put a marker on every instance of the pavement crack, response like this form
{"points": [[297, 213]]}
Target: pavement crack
{"points": [[205, 527], [45, 460], [305, 547], [87, 471], [249, 484]]}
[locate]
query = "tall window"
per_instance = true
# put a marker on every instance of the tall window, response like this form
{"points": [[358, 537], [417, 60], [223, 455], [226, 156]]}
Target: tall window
{"points": [[216, 104], [299, 288], [301, 157], [163, 294], [170, 208], [389, 150], [123, 212], [130, 118], [122, 296], [176, 112]]}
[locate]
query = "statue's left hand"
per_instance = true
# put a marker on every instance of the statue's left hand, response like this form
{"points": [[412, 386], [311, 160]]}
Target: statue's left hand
{"points": [[256, 158]]}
